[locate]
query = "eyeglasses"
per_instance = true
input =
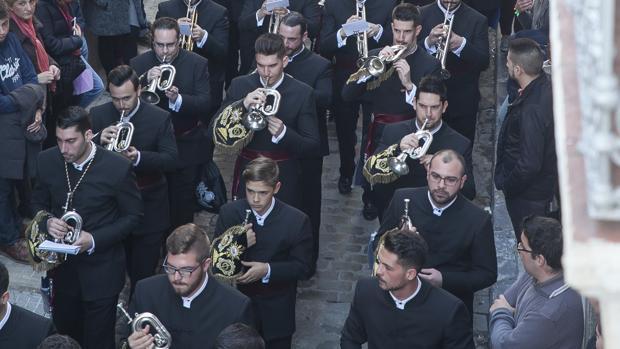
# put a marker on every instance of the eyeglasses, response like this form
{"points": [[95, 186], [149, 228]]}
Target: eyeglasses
{"points": [[520, 248], [183, 272], [449, 180]]}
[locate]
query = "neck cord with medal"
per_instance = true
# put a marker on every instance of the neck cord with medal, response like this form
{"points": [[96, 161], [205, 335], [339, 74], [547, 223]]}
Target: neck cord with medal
{"points": [[69, 202]]}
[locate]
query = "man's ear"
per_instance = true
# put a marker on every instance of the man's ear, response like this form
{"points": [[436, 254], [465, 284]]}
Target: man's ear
{"points": [[411, 274], [4, 299]]}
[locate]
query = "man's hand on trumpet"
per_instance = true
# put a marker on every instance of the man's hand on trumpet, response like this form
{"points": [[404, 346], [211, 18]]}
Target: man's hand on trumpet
{"points": [[255, 97]]}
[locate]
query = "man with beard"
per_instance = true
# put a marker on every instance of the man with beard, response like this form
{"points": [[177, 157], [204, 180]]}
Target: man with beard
{"points": [[391, 93], [187, 101], [459, 234], [152, 151], [467, 56], [281, 256], [100, 187], [191, 304], [316, 72], [399, 309]]}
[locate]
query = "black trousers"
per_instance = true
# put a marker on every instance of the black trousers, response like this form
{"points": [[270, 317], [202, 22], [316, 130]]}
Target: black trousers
{"points": [[118, 49], [279, 343], [232, 66], [142, 252], [311, 173], [90, 323], [182, 194], [520, 208]]}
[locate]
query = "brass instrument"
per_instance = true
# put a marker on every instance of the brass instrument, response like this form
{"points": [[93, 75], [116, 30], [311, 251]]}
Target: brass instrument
{"points": [[405, 221], [162, 83], [187, 42], [123, 136], [227, 249], [376, 65], [398, 164], [404, 224], [362, 38], [274, 23], [443, 45], [162, 338], [74, 231], [256, 118]]}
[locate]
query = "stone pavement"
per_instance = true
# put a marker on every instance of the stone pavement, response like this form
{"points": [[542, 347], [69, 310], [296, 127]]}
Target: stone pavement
{"points": [[323, 301]]}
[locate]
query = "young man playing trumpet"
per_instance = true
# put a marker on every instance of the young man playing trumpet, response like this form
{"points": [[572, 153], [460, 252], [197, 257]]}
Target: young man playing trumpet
{"points": [[290, 134], [186, 99], [152, 151], [281, 256]]}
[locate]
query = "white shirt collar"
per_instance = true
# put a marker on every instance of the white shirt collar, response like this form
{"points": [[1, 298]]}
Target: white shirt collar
{"points": [[437, 211], [301, 49], [260, 220], [187, 301], [400, 304], [93, 150], [274, 86], [446, 11], [6, 315], [126, 118], [434, 130]]}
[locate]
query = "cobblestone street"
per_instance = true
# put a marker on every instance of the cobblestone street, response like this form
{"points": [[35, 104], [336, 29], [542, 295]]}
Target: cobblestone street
{"points": [[323, 301]]}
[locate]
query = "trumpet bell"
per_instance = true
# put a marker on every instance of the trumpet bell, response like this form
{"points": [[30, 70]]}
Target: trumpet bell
{"points": [[149, 97], [375, 66], [255, 121], [398, 164]]}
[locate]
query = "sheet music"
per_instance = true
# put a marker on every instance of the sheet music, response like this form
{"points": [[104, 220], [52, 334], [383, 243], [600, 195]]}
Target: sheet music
{"points": [[355, 27], [51, 246]]}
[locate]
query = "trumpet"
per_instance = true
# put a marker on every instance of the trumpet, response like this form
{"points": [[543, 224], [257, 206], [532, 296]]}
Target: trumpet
{"points": [[187, 42], [162, 83], [443, 45], [162, 338], [274, 23], [362, 38], [123, 137], [256, 118], [71, 237], [376, 65], [398, 164], [405, 220]]}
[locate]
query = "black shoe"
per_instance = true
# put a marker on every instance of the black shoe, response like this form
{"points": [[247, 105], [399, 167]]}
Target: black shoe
{"points": [[370, 212], [344, 185]]}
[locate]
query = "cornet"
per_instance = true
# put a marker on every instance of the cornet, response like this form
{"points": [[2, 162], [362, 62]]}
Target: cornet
{"points": [[123, 137], [398, 164], [71, 237], [162, 338], [443, 45], [187, 42], [376, 65], [256, 118], [162, 83]]}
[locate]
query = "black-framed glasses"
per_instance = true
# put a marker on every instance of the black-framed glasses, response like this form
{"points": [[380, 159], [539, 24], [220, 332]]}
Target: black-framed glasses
{"points": [[183, 272], [448, 180], [520, 248]]}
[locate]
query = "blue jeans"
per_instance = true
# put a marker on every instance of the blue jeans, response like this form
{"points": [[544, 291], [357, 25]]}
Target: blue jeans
{"points": [[9, 220], [87, 98]]}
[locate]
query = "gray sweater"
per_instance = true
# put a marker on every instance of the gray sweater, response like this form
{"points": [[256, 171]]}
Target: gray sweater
{"points": [[547, 315]]}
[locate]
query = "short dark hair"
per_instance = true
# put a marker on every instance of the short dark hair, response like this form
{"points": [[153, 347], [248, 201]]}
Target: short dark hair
{"points": [[121, 75], [448, 155], [189, 237], [4, 275], [293, 19], [239, 336], [432, 84], [262, 169], [545, 237], [58, 341], [527, 54], [407, 13], [74, 116], [4, 10], [408, 246], [270, 44], [165, 23]]}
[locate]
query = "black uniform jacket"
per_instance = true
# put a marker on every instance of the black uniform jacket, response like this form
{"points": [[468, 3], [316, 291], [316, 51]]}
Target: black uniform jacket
{"points": [[285, 242], [308, 8], [192, 79], [154, 139], [316, 72], [460, 241], [433, 318], [109, 202], [25, 329]]}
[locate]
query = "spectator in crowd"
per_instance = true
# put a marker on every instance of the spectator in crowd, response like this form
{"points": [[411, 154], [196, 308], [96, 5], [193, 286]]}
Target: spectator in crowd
{"points": [[58, 341], [239, 336]]}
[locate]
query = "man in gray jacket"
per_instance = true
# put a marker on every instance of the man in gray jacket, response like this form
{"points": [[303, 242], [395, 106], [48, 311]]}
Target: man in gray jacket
{"points": [[539, 310]]}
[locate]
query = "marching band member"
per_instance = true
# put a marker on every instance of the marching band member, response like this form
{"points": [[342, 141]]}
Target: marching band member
{"points": [[429, 103], [153, 151], [187, 100], [193, 306], [281, 255], [315, 71], [459, 234], [467, 57], [291, 133], [100, 186]]}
